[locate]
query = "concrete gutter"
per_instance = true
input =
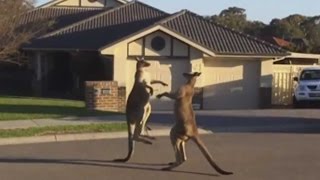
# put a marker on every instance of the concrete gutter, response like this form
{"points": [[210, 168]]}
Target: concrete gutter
{"points": [[81, 137]]}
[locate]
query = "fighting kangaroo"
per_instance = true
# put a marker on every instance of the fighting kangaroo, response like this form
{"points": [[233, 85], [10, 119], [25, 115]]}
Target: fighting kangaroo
{"points": [[185, 127], [138, 107]]}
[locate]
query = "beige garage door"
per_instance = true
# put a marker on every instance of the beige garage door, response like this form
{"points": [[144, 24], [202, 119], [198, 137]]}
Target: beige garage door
{"points": [[232, 84], [170, 72]]}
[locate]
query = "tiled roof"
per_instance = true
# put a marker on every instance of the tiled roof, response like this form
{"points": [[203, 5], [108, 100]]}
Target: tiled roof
{"points": [[218, 38], [111, 26], [102, 29], [60, 1], [62, 16]]}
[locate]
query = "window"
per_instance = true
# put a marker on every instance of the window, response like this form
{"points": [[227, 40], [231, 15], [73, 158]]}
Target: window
{"points": [[310, 75], [158, 43]]}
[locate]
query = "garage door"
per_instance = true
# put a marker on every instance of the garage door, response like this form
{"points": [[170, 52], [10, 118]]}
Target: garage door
{"points": [[170, 72], [231, 84]]}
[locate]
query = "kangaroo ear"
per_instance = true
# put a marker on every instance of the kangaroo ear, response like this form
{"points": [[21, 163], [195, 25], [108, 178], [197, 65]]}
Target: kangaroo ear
{"points": [[196, 74], [138, 59], [185, 74]]}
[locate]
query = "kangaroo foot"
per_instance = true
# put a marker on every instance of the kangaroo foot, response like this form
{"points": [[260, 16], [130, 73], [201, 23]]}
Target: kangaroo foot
{"points": [[148, 137], [120, 160]]}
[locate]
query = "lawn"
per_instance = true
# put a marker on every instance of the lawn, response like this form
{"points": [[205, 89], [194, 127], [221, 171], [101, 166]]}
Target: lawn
{"points": [[68, 129], [18, 108]]}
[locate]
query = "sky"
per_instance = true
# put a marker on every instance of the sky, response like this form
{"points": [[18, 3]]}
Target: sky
{"points": [[261, 10]]}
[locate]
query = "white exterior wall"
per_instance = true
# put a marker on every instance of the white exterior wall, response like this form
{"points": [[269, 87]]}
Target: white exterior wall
{"points": [[168, 70], [197, 65], [179, 48], [266, 73], [231, 83], [164, 52]]}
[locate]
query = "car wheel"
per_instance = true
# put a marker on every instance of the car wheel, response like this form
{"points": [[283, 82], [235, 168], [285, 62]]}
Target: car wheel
{"points": [[296, 103]]}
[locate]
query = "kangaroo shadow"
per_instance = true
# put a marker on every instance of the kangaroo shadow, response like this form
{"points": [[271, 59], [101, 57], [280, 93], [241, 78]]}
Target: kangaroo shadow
{"points": [[97, 163]]}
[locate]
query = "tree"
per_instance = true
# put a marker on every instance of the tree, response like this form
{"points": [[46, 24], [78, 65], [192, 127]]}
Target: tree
{"points": [[311, 28], [233, 17], [303, 32], [13, 32], [289, 27]]}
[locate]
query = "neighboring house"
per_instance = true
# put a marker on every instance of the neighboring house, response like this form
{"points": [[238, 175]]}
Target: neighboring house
{"points": [[279, 42], [292, 44], [100, 42]]}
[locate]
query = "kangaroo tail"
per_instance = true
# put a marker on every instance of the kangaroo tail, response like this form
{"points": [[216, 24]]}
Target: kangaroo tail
{"points": [[208, 156], [131, 144]]}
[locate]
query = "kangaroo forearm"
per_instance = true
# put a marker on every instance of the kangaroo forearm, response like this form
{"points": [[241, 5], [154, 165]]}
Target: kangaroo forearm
{"points": [[150, 89], [158, 82], [170, 95]]}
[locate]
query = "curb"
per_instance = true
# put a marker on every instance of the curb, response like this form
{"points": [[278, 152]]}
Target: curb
{"points": [[80, 137]]}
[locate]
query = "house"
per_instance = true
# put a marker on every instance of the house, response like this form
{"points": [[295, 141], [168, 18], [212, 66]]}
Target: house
{"points": [[279, 42], [98, 40]]}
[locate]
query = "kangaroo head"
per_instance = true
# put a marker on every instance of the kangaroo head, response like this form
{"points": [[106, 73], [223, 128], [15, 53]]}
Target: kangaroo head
{"points": [[141, 63], [191, 77]]}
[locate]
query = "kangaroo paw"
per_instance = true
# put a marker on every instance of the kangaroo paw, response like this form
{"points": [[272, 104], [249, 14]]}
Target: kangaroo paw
{"points": [[148, 137], [148, 142], [225, 173], [120, 160], [166, 169]]}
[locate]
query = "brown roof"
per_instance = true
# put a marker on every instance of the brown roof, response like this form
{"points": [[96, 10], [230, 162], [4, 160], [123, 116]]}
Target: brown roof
{"points": [[219, 39], [62, 16], [102, 29], [111, 26], [281, 42], [120, 1]]}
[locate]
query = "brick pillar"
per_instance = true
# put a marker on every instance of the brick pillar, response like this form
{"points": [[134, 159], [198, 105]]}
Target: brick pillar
{"points": [[102, 95]]}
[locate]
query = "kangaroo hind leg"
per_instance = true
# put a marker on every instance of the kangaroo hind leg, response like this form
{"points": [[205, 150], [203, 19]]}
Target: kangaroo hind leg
{"points": [[131, 144], [179, 149]]}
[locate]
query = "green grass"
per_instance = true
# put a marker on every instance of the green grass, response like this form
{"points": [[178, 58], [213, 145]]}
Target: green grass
{"points": [[68, 129], [17, 108]]}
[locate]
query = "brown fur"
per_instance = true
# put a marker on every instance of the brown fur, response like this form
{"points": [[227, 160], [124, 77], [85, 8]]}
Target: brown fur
{"points": [[138, 108], [185, 127]]}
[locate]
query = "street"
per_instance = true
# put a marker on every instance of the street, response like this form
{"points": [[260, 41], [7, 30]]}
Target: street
{"points": [[286, 149], [249, 156]]}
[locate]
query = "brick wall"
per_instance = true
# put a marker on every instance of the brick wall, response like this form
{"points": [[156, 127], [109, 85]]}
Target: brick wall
{"points": [[105, 96]]}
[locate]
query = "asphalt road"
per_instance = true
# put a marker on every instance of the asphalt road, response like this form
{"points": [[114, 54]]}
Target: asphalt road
{"points": [[257, 121], [255, 145], [251, 156]]}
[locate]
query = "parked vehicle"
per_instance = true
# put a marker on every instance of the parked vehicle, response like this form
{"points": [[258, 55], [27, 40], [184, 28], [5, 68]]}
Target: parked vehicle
{"points": [[307, 89]]}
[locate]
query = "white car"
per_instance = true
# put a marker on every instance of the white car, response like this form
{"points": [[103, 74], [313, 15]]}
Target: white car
{"points": [[308, 86]]}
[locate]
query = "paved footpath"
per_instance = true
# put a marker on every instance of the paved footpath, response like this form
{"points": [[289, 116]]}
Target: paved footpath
{"points": [[262, 121], [159, 129]]}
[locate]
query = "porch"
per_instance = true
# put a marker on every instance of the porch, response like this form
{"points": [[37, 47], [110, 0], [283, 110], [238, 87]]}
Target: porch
{"points": [[62, 74]]}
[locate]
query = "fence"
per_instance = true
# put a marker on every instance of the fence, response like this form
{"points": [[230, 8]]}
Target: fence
{"points": [[283, 84]]}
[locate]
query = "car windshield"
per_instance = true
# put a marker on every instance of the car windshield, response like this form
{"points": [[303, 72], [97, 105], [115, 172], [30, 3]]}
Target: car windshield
{"points": [[310, 75]]}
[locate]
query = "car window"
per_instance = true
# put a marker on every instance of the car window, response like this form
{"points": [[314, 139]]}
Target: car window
{"points": [[310, 75]]}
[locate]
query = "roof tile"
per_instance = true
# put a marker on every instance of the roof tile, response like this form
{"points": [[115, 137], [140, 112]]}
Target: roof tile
{"points": [[218, 38]]}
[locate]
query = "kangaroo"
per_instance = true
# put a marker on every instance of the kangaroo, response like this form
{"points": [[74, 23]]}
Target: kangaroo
{"points": [[138, 108], [185, 127]]}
